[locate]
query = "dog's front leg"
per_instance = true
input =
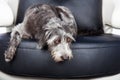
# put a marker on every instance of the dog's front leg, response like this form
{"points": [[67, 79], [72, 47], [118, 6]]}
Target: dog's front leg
{"points": [[15, 40], [41, 40], [40, 44]]}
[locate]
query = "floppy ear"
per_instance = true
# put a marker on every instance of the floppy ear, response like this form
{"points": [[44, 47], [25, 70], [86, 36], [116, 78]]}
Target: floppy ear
{"points": [[68, 20]]}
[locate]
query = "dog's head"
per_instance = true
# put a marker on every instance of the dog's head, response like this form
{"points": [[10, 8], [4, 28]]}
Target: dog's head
{"points": [[59, 36], [59, 44]]}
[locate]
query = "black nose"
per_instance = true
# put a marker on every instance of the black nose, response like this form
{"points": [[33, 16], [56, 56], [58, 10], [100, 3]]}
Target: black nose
{"points": [[64, 57]]}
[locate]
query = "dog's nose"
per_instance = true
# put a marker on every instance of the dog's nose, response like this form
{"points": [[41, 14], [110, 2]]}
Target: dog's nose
{"points": [[64, 57]]}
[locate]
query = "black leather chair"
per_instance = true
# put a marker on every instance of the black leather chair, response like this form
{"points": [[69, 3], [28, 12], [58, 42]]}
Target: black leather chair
{"points": [[97, 55]]}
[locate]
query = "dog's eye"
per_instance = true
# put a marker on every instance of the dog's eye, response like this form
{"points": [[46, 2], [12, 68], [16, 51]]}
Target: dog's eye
{"points": [[57, 41], [69, 40]]}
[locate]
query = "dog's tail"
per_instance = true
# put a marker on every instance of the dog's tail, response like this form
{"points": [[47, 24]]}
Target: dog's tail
{"points": [[14, 42]]}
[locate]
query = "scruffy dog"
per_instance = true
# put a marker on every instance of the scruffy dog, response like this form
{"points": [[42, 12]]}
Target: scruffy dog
{"points": [[51, 25]]}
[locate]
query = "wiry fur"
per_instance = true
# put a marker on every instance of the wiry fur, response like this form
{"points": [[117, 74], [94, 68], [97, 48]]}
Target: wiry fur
{"points": [[45, 23]]}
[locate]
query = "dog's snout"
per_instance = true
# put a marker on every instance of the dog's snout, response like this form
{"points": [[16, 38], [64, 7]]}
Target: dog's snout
{"points": [[64, 57]]}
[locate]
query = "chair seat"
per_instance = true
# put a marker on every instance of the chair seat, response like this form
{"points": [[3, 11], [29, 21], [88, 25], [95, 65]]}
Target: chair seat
{"points": [[106, 40], [93, 56]]}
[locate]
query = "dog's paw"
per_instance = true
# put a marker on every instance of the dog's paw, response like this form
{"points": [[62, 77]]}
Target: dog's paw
{"points": [[8, 56], [39, 47]]}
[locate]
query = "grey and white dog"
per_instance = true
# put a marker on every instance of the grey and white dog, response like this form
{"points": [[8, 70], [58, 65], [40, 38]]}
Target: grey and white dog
{"points": [[51, 25]]}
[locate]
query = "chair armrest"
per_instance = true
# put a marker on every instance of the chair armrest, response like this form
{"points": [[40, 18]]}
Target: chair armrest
{"points": [[6, 14]]}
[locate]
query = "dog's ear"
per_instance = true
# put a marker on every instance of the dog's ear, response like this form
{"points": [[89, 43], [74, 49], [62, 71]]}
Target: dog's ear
{"points": [[68, 20]]}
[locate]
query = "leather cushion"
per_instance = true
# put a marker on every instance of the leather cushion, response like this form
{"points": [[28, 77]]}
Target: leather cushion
{"points": [[93, 56], [88, 13]]}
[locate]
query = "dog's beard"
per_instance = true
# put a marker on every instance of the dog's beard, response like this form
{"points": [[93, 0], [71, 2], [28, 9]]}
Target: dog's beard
{"points": [[60, 48], [61, 52]]}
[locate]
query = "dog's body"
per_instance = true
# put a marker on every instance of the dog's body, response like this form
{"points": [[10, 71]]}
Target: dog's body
{"points": [[51, 25]]}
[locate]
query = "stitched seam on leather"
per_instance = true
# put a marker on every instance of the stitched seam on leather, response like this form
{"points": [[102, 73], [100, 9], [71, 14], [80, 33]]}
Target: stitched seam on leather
{"points": [[72, 48]]}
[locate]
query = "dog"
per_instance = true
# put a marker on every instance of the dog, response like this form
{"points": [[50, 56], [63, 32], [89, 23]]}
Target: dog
{"points": [[54, 26]]}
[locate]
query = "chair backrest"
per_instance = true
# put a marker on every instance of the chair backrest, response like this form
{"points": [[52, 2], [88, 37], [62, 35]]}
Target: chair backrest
{"points": [[88, 13]]}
